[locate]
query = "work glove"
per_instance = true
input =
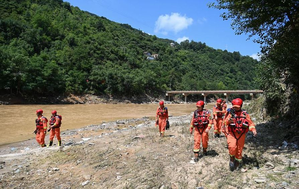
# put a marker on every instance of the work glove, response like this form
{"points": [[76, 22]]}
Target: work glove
{"points": [[157, 122], [191, 130], [35, 131], [207, 130]]}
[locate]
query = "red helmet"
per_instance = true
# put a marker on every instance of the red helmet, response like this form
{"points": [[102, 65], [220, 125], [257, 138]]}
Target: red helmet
{"points": [[238, 102], [39, 111], [219, 101], [54, 112], [161, 102], [200, 103]]}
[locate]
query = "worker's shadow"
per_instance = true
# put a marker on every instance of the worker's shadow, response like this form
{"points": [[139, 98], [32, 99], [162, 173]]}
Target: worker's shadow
{"points": [[212, 153], [250, 161]]}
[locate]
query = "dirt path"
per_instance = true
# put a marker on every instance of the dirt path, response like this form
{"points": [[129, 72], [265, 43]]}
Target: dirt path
{"points": [[130, 154]]}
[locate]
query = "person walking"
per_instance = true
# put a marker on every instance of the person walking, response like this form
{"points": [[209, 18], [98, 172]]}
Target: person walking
{"points": [[200, 124], [55, 123], [238, 123], [224, 105], [223, 129], [161, 118], [218, 112], [41, 127]]}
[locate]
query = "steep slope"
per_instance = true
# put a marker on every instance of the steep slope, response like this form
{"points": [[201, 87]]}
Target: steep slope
{"points": [[51, 48]]}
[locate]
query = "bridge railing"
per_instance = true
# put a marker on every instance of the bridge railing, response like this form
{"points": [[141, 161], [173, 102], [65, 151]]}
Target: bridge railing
{"points": [[205, 93]]}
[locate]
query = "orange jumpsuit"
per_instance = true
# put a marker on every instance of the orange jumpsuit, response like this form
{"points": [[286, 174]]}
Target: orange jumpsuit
{"points": [[41, 129], [224, 127], [162, 113], [55, 127], [237, 129], [201, 120], [218, 112]]}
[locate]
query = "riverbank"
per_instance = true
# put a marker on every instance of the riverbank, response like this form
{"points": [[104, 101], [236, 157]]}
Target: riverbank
{"points": [[17, 121], [130, 154], [79, 99]]}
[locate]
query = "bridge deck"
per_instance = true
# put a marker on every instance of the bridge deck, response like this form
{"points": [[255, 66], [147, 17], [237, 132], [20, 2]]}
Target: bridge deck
{"points": [[216, 92], [206, 92]]}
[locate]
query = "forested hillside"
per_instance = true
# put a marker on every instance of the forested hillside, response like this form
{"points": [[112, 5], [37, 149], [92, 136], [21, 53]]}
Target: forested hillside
{"points": [[275, 24], [48, 47]]}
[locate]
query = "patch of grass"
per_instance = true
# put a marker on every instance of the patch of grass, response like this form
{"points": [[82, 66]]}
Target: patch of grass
{"points": [[60, 157], [290, 168], [273, 178], [256, 107]]}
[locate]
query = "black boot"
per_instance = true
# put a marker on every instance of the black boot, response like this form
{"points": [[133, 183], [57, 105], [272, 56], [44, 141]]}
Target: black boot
{"points": [[232, 163], [50, 143], [59, 143], [205, 151], [238, 165], [196, 154]]}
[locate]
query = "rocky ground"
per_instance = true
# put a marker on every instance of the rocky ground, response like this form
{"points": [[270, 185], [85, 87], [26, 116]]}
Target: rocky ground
{"points": [[130, 154]]}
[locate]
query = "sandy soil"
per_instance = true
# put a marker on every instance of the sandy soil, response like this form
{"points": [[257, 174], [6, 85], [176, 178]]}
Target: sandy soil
{"points": [[130, 154]]}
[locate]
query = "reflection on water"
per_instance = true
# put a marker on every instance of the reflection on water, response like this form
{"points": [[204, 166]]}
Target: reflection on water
{"points": [[18, 121]]}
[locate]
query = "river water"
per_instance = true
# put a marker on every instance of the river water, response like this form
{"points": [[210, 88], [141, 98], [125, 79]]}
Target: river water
{"points": [[18, 121]]}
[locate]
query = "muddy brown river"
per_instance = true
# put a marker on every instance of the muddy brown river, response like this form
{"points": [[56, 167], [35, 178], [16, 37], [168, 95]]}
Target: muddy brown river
{"points": [[18, 121]]}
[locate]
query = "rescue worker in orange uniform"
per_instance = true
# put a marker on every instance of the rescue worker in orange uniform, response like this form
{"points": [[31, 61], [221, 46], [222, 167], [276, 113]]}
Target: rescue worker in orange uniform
{"points": [[218, 113], [224, 105], [41, 127], [223, 130], [238, 123], [224, 127], [161, 118], [201, 124], [54, 129]]}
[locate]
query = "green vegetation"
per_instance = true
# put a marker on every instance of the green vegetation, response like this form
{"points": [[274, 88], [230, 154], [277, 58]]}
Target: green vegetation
{"points": [[48, 48], [291, 168], [276, 23]]}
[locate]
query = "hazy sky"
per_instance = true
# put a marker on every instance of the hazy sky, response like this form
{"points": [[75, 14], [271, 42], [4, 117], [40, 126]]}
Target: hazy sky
{"points": [[175, 20]]}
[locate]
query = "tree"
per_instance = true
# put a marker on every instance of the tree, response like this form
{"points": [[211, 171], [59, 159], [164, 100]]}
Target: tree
{"points": [[49, 48], [268, 19], [276, 23]]}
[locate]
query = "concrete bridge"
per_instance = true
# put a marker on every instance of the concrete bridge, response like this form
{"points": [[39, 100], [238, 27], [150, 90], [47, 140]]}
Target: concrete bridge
{"points": [[226, 93]]}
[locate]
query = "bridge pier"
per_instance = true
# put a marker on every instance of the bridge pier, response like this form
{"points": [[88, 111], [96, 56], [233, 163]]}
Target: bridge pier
{"points": [[185, 94], [226, 97], [204, 97], [168, 96]]}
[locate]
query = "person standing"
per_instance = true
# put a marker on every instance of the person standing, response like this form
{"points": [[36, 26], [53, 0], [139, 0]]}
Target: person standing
{"points": [[41, 127], [161, 118], [54, 129], [201, 124], [238, 123], [218, 112]]}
